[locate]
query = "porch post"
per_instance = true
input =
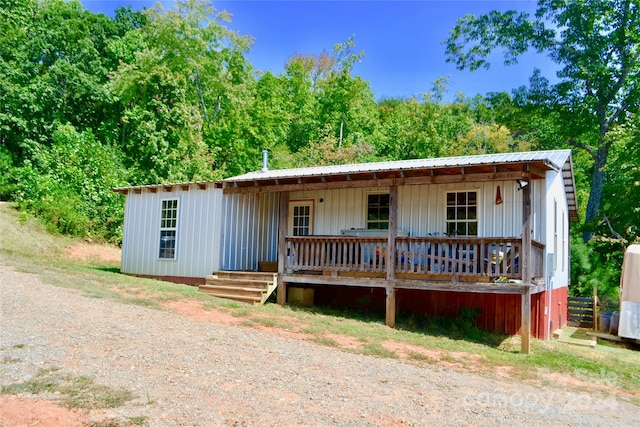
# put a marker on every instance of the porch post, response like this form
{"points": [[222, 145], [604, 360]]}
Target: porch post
{"points": [[391, 257], [525, 259], [283, 214]]}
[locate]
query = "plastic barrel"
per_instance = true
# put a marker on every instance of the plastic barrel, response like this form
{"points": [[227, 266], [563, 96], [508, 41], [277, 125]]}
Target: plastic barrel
{"points": [[605, 321], [613, 323]]}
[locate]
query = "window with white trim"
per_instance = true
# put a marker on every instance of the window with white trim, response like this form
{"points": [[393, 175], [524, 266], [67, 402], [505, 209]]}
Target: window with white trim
{"points": [[462, 213], [168, 229], [301, 220], [378, 211]]}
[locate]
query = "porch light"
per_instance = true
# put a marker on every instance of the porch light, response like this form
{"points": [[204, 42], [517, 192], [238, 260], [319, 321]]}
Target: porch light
{"points": [[522, 183]]}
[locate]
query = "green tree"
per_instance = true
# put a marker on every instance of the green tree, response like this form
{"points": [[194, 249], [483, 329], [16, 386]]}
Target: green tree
{"points": [[325, 102], [421, 129], [54, 63], [68, 185], [187, 96], [301, 75], [271, 116], [327, 151], [596, 46]]}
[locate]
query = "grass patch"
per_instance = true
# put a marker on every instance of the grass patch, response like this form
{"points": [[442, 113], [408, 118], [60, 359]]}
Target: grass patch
{"points": [[137, 421], [82, 392], [142, 302], [76, 392], [326, 341], [130, 421], [44, 381], [241, 312], [421, 357], [375, 349], [270, 322]]}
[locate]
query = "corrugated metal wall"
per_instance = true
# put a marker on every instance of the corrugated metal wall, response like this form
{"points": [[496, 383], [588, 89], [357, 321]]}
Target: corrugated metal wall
{"points": [[249, 231], [197, 234], [558, 245], [421, 208], [268, 231]]}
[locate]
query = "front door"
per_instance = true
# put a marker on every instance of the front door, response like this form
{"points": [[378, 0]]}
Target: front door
{"points": [[301, 218]]}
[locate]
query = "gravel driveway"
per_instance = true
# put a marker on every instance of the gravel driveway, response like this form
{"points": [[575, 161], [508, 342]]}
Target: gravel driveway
{"points": [[189, 372]]}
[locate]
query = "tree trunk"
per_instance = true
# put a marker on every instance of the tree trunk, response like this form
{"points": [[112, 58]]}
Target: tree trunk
{"points": [[593, 206]]}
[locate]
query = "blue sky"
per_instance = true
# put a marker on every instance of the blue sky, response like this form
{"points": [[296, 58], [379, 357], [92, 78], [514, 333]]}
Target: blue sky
{"points": [[401, 40]]}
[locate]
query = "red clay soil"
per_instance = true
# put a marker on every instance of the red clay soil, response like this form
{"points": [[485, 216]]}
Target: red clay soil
{"points": [[18, 412]]}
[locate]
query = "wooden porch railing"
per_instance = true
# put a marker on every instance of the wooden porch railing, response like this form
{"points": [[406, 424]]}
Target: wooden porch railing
{"points": [[336, 253], [459, 256]]}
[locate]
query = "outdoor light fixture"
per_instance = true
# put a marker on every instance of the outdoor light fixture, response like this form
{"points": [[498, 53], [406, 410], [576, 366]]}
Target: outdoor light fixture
{"points": [[522, 183]]}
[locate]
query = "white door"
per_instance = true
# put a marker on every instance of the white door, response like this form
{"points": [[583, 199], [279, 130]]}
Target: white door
{"points": [[301, 218]]}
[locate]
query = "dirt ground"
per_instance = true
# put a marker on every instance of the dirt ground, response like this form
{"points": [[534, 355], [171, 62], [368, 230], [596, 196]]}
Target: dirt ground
{"points": [[16, 411], [85, 251], [20, 411]]}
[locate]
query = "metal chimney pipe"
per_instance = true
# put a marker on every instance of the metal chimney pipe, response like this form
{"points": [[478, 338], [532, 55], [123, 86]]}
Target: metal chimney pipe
{"points": [[265, 160]]}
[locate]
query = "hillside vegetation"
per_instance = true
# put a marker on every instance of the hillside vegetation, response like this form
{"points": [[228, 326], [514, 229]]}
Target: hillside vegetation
{"points": [[91, 102]]}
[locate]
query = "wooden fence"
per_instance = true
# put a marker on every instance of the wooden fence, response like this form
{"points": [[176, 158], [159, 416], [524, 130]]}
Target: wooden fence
{"points": [[581, 312]]}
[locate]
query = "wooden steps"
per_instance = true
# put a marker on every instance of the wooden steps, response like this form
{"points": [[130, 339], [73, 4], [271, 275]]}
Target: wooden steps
{"points": [[243, 286]]}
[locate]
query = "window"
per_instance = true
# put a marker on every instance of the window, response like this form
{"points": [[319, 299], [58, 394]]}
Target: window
{"points": [[462, 213], [168, 229], [378, 211], [301, 223]]}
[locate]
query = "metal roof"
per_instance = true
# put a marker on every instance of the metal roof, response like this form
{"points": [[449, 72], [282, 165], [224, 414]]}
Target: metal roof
{"points": [[487, 166], [554, 158], [483, 167]]}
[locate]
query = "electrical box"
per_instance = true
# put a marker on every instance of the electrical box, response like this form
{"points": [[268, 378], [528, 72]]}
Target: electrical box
{"points": [[551, 267]]}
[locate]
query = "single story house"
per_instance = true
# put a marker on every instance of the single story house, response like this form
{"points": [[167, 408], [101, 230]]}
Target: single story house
{"points": [[428, 235]]}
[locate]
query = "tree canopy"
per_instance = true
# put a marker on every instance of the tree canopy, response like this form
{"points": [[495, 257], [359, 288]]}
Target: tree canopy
{"points": [[596, 45]]}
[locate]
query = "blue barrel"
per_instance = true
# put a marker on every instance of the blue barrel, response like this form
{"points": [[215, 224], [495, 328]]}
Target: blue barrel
{"points": [[605, 321], [613, 323]]}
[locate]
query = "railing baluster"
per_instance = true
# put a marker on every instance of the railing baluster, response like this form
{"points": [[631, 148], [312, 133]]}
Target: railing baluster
{"points": [[492, 257]]}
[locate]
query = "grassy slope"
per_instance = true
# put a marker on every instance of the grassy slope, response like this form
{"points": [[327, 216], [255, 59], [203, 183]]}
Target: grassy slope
{"points": [[26, 247]]}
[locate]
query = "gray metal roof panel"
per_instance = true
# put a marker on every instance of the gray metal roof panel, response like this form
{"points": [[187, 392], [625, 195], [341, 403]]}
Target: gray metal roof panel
{"points": [[556, 158]]}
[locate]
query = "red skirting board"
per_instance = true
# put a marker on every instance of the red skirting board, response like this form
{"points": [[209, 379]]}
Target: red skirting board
{"points": [[498, 312]]}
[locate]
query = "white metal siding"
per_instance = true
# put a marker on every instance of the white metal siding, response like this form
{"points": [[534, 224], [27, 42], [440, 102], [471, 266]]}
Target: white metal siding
{"points": [[421, 208], [268, 227], [555, 192], [340, 209], [197, 237], [250, 230]]}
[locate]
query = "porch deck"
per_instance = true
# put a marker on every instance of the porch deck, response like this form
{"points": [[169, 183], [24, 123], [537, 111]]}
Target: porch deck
{"points": [[450, 263]]}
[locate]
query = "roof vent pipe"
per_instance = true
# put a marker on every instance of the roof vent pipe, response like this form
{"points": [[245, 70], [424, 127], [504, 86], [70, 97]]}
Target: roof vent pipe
{"points": [[265, 160]]}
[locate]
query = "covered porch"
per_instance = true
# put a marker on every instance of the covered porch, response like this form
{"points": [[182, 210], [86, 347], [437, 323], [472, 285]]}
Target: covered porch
{"points": [[505, 265], [500, 254]]}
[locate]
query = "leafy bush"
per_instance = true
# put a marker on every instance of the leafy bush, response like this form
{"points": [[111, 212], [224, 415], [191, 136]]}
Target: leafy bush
{"points": [[68, 186], [598, 263], [7, 173]]}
